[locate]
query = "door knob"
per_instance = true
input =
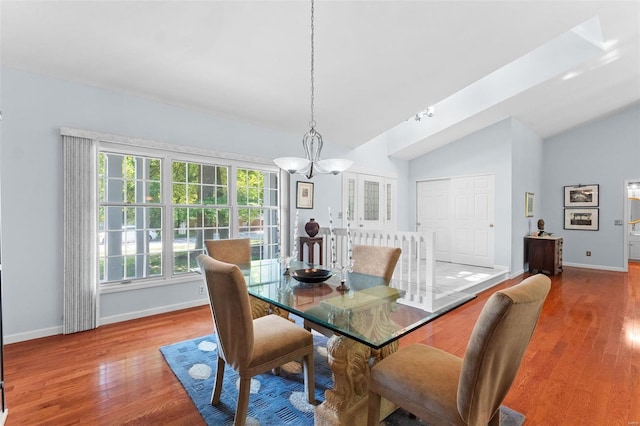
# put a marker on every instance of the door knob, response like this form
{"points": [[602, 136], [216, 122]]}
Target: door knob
{"points": [[491, 225]]}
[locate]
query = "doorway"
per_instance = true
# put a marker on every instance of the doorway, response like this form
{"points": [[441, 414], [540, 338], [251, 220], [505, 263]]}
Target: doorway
{"points": [[461, 213], [631, 222]]}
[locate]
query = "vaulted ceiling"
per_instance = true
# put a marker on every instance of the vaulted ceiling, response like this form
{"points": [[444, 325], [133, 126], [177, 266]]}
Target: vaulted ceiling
{"points": [[377, 63]]}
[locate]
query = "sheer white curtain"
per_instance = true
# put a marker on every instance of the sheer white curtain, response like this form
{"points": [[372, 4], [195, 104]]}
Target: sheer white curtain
{"points": [[80, 306]]}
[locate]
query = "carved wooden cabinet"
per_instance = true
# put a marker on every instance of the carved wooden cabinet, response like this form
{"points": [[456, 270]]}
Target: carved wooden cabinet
{"points": [[544, 254]]}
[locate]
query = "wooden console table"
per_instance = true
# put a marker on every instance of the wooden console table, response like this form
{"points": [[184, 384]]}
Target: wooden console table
{"points": [[544, 254], [310, 242]]}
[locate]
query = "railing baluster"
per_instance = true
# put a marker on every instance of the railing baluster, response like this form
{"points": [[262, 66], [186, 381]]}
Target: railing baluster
{"points": [[416, 266]]}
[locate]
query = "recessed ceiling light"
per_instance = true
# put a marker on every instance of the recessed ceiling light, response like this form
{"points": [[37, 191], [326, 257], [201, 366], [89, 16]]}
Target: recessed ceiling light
{"points": [[571, 74], [609, 57]]}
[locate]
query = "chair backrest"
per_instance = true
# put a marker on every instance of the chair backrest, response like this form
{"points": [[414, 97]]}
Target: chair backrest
{"points": [[231, 311], [497, 344], [236, 251], [375, 260]]}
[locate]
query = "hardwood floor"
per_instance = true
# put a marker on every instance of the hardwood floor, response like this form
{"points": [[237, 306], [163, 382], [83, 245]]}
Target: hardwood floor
{"points": [[582, 366]]}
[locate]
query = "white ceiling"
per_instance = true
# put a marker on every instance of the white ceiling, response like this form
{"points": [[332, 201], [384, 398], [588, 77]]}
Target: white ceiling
{"points": [[377, 62]]}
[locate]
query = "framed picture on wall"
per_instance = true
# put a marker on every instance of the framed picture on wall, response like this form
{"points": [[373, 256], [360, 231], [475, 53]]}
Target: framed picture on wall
{"points": [[581, 219], [528, 204], [581, 196], [304, 198]]}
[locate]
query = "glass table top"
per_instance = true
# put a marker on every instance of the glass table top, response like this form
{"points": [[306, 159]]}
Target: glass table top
{"points": [[370, 311]]}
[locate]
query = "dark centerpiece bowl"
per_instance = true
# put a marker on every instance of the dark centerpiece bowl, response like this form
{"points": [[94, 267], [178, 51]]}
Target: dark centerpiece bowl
{"points": [[311, 275]]}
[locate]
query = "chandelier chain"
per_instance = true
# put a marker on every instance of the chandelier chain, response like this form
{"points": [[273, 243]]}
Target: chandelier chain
{"points": [[312, 123]]}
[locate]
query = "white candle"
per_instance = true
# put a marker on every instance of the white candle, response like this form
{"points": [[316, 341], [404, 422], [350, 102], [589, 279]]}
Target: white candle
{"points": [[349, 242], [280, 254], [294, 253], [333, 240]]}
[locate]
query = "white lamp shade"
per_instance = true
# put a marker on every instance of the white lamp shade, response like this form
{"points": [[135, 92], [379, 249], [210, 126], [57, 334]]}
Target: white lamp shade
{"points": [[334, 165], [292, 164]]}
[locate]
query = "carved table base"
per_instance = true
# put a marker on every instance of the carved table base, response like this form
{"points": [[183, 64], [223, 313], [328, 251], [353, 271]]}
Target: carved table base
{"points": [[346, 403]]}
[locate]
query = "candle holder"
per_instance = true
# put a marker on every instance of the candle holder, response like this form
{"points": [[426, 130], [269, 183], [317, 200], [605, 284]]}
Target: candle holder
{"points": [[343, 270], [286, 261]]}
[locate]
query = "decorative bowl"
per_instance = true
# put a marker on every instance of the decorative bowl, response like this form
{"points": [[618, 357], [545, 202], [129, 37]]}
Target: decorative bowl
{"points": [[311, 275]]}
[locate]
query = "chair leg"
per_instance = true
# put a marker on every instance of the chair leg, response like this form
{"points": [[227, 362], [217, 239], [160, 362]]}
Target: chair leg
{"points": [[309, 378], [243, 401], [495, 420], [373, 414], [217, 384]]}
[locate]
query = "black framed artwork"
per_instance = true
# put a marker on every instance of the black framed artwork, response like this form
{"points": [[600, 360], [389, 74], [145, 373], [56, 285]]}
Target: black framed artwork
{"points": [[581, 219], [304, 198], [581, 196]]}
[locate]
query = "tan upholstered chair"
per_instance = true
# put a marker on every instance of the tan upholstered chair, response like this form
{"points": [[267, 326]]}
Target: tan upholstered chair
{"points": [[443, 389], [250, 346], [375, 260], [238, 252], [371, 260]]}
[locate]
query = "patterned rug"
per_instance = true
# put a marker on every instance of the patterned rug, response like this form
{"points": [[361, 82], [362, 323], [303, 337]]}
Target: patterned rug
{"points": [[274, 400]]}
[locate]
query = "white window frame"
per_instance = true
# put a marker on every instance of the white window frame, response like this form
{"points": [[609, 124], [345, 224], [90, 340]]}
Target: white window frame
{"points": [[167, 153]]}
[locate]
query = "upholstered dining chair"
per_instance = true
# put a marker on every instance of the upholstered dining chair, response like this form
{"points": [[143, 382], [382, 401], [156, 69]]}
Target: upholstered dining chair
{"points": [[238, 252], [378, 261], [375, 260], [443, 389], [250, 346]]}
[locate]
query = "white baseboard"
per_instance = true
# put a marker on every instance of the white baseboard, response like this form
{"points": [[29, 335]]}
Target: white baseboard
{"points": [[3, 416], [516, 273], [154, 311], [33, 334], [599, 267], [52, 331]]}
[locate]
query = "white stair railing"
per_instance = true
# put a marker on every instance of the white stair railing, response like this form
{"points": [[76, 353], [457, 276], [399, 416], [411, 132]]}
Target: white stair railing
{"points": [[415, 271]]}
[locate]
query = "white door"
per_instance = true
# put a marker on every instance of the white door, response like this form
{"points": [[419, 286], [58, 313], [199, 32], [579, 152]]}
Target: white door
{"points": [[370, 200], [472, 237], [460, 211], [434, 207], [369, 210]]}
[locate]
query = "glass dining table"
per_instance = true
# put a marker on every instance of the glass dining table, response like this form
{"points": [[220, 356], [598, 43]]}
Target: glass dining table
{"points": [[364, 322]]}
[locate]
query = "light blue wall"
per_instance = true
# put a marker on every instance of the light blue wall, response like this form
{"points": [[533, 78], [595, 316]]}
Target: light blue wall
{"points": [[603, 152], [368, 158], [483, 152], [527, 162], [34, 109]]}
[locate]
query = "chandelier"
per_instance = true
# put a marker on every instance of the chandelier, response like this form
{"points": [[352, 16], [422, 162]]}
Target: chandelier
{"points": [[312, 142]]}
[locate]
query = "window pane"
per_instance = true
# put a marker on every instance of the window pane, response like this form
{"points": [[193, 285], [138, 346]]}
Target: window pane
{"points": [[179, 171], [223, 176], [351, 199], [194, 173], [179, 193], [154, 169], [153, 191], [222, 196], [371, 200], [131, 247], [193, 194], [208, 195], [209, 175], [129, 235]]}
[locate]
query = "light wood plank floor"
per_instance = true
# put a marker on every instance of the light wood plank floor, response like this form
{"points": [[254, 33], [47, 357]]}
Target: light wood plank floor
{"points": [[582, 367]]}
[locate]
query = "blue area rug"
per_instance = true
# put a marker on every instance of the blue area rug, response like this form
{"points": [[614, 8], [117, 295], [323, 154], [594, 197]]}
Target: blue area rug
{"points": [[274, 400]]}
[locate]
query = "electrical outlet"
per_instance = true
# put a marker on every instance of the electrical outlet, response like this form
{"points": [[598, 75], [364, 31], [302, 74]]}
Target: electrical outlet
{"points": [[588, 253], [201, 289]]}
